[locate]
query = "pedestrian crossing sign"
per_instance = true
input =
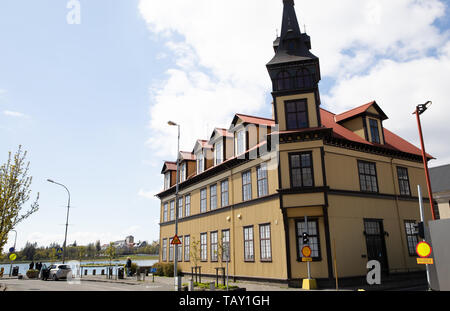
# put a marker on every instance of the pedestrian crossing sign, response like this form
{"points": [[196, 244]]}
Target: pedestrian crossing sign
{"points": [[175, 240]]}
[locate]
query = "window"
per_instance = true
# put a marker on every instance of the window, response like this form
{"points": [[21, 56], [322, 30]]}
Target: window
{"points": [[170, 250], [187, 205], [180, 207], [164, 250], [240, 142], [368, 176], [180, 249], [183, 172], [261, 174], [218, 150], [248, 244], [187, 241], [374, 131], [226, 245], [304, 79], [214, 249], [246, 186], [203, 247], [203, 200], [213, 197], [297, 114], [412, 237], [172, 210], [403, 181], [283, 81], [314, 241], [301, 170], [224, 193], [264, 240], [200, 163], [165, 211], [166, 181]]}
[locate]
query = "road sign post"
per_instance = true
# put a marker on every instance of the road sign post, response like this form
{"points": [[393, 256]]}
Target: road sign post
{"points": [[422, 219]]}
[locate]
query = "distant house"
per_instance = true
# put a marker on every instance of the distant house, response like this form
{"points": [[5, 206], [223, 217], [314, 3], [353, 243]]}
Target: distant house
{"points": [[127, 243], [440, 184]]}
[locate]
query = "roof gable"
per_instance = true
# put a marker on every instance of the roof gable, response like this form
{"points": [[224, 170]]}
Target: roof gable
{"points": [[371, 107]]}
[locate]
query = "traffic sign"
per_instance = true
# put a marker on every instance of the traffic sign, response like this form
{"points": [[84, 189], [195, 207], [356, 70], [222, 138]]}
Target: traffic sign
{"points": [[12, 257], [11, 250], [175, 240], [306, 259], [59, 250], [306, 251], [423, 249], [425, 261]]}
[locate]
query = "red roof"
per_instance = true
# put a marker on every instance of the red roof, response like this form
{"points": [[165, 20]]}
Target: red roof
{"points": [[392, 141], [256, 120], [169, 166], [204, 144], [224, 132], [186, 155], [358, 110]]}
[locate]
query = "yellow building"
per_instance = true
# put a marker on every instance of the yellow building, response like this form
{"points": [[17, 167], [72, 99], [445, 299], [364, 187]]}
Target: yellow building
{"points": [[250, 187]]}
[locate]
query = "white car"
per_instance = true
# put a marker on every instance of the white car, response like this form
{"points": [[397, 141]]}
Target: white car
{"points": [[59, 272]]}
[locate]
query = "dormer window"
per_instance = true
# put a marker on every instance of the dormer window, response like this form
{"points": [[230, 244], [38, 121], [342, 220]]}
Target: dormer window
{"points": [[218, 153], [183, 172], [297, 114], [240, 142], [374, 131], [166, 180], [200, 163]]}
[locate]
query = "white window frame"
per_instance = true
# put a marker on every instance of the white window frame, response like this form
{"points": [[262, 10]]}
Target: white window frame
{"points": [[241, 150], [218, 153], [166, 180]]}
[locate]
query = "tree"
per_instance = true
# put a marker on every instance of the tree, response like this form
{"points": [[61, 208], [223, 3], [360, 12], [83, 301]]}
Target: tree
{"points": [[14, 193], [98, 247], [111, 252]]}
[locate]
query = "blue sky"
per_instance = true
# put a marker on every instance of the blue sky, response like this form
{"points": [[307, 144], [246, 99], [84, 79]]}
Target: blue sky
{"points": [[89, 102]]}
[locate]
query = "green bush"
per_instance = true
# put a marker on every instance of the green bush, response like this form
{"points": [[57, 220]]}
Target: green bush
{"points": [[32, 274], [165, 269]]}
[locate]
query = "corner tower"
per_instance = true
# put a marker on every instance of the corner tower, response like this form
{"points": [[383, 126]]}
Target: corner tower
{"points": [[295, 75]]}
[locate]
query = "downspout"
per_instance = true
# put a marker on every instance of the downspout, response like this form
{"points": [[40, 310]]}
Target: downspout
{"points": [[398, 214], [232, 224]]}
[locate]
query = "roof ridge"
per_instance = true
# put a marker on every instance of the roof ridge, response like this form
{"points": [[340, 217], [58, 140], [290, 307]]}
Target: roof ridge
{"points": [[247, 115], [368, 104]]}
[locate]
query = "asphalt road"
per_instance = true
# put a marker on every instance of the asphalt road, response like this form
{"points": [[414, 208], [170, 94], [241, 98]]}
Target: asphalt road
{"points": [[38, 285]]}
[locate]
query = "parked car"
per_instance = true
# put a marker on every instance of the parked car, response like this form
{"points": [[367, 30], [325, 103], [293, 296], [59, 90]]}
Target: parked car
{"points": [[59, 272]]}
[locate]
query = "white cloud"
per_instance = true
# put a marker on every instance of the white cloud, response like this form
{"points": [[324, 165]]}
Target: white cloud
{"points": [[375, 49], [398, 88], [14, 114]]}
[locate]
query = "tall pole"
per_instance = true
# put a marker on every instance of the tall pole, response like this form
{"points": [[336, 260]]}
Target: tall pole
{"points": [[422, 219], [67, 217], [418, 112], [175, 262], [15, 239]]}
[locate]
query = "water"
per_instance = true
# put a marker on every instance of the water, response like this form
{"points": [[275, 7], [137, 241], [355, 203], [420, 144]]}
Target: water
{"points": [[23, 267]]}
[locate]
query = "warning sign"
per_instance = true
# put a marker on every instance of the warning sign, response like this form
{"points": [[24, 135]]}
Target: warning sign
{"points": [[175, 240]]}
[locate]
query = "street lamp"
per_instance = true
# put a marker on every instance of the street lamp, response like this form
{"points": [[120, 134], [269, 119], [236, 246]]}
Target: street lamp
{"points": [[419, 110], [15, 239], [175, 262], [67, 218]]}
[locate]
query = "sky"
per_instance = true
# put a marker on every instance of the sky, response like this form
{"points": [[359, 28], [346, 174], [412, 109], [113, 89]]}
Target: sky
{"points": [[87, 88]]}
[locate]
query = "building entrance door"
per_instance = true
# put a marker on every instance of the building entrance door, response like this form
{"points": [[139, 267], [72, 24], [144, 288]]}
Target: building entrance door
{"points": [[376, 244]]}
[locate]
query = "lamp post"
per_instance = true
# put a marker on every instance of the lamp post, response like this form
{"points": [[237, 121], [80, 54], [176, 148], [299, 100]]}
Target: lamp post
{"points": [[67, 218], [15, 239], [419, 110], [175, 262]]}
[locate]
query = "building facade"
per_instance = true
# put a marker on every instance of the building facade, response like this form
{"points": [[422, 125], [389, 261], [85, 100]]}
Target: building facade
{"points": [[249, 188], [440, 184]]}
